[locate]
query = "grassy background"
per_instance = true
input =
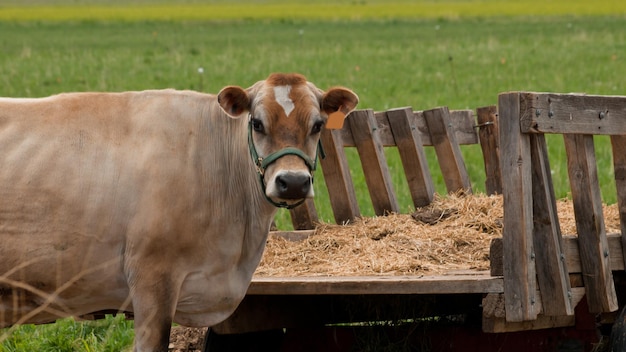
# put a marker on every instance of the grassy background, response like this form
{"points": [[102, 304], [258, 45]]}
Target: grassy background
{"points": [[423, 54]]}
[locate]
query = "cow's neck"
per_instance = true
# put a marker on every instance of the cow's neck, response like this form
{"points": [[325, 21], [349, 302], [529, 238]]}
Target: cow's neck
{"points": [[260, 212], [248, 210]]}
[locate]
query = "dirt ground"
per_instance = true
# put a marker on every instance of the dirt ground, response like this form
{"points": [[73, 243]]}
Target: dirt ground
{"points": [[183, 339]]}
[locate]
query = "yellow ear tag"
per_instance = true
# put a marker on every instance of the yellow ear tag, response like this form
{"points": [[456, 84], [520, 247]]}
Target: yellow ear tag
{"points": [[335, 120]]}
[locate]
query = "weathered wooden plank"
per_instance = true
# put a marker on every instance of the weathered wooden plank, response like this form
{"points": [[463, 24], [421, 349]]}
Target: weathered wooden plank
{"points": [[366, 137], [464, 126], [304, 216], [618, 144], [462, 123], [572, 247], [447, 149], [411, 150], [489, 136], [571, 252], [573, 113], [337, 177], [518, 253], [295, 236], [494, 320], [552, 274], [594, 249], [482, 282]]}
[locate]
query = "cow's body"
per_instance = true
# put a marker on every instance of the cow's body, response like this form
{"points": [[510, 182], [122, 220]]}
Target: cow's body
{"points": [[140, 201]]}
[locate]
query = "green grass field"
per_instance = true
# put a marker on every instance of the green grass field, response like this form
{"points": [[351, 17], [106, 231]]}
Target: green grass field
{"points": [[408, 53]]}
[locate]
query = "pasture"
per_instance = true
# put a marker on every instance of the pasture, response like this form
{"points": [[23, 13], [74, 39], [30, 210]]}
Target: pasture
{"points": [[455, 53]]}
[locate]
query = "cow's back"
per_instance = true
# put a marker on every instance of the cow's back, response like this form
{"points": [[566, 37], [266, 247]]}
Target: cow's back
{"points": [[76, 172]]}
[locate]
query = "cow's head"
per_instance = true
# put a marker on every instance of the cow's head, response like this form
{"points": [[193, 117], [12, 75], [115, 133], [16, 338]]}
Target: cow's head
{"points": [[286, 115]]}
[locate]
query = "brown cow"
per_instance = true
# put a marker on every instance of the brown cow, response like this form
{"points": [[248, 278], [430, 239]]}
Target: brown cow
{"points": [[150, 202]]}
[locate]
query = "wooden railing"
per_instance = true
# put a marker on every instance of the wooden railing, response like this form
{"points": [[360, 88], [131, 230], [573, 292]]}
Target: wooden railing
{"points": [[409, 131], [535, 262]]}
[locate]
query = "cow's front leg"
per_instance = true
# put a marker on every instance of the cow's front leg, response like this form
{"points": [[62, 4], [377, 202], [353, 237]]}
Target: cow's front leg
{"points": [[154, 304]]}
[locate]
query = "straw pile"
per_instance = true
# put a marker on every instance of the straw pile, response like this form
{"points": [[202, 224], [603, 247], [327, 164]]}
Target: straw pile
{"points": [[451, 234]]}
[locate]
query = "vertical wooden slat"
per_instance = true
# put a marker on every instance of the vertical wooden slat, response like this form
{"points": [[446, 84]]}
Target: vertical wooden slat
{"points": [[364, 131], [447, 150], [490, 144], [520, 282], [592, 241], [337, 176], [618, 144], [552, 273], [407, 137], [304, 216]]}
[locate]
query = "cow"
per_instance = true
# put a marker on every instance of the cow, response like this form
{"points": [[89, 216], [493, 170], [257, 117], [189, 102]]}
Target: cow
{"points": [[157, 202]]}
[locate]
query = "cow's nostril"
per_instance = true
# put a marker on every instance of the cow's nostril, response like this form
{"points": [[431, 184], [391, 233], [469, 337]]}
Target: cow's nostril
{"points": [[281, 184], [293, 186]]}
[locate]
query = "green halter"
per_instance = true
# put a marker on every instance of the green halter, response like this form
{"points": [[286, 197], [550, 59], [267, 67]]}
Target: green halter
{"points": [[262, 164]]}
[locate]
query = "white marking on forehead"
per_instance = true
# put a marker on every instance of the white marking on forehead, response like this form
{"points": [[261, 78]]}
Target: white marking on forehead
{"points": [[281, 93]]}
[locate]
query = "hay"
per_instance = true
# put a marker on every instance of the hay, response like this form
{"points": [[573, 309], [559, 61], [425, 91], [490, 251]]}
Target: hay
{"points": [[451, 234]]}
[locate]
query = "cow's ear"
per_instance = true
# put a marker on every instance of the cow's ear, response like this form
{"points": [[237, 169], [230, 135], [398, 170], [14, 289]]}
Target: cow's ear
{"points": [[234, 100], [339, 98]]}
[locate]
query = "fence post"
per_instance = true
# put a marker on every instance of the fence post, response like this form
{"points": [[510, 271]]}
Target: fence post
{"points": [[447, 149], [552, 273], [304, 216], [520, 283], [366, 137], [337, 176], [488, 133], [618, 145], [411, 149], [592, 241]]}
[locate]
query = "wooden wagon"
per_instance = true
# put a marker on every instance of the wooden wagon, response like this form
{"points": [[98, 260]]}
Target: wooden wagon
{"points": [[544, 292]]}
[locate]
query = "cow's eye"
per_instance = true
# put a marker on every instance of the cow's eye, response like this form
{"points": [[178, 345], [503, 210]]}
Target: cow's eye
{"points": [[257, 125], [317, 127]]}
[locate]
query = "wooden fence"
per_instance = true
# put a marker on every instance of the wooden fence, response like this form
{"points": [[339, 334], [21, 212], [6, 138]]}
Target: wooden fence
{"points": [[535, 259], [409, 131]]}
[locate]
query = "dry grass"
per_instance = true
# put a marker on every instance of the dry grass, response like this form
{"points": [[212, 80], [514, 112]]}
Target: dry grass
{"points": [[453, 233]]}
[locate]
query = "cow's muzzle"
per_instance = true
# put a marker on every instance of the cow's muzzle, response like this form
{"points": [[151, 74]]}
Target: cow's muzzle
{"points": [[291, 186]]}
